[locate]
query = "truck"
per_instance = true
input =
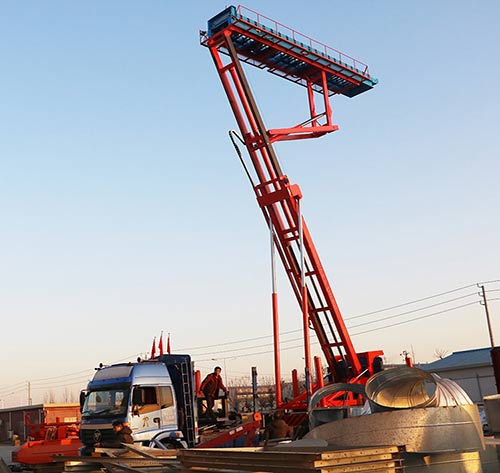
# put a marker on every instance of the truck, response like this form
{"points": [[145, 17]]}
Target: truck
{"points": [[155, 397]]}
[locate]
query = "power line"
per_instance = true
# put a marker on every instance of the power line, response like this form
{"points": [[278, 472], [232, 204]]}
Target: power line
{"points": [[418, 318], [38, 383], [412, 302], [34, 382], [58, 377], [493, 281], [11, 387], [360, 333], [79, 382], [233, 350], [247, 348], [414, 310], [237, 341], [7, 394], [70, 381], [191, 349]]}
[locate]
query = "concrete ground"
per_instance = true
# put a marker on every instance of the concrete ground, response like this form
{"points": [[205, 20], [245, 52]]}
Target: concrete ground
{"points": [[490, 462], [5, 453]]}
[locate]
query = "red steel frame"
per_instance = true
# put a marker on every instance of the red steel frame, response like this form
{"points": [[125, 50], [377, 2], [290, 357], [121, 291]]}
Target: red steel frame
{"points": [[279, 201]]}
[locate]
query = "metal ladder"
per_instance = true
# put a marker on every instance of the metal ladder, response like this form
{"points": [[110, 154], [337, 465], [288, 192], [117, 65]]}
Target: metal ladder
{"points": [[186, 371]]}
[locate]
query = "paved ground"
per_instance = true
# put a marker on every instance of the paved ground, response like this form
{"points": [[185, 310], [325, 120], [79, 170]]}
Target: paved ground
{"points": [[489, 458], [5, 453]]}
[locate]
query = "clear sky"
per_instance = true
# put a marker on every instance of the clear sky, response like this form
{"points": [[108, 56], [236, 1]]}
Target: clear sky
{"points": [[124, 210]]}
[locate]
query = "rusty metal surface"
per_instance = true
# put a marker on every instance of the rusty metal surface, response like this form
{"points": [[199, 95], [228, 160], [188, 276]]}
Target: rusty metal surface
{"points": [[423, 430]]}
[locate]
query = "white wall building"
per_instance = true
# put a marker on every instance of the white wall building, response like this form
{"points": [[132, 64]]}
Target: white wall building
{"points": [[471, 369]]}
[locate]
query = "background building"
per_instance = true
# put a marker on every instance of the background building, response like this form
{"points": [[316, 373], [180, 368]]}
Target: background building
{"points": [[14, 420], [472, 369]]}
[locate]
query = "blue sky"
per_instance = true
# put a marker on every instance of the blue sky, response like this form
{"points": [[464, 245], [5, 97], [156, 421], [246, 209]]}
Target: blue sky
{"points": [[125, 211]]}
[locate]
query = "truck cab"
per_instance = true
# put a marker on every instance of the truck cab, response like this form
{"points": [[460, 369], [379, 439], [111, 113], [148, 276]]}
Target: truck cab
{"points": [[155, 398]]}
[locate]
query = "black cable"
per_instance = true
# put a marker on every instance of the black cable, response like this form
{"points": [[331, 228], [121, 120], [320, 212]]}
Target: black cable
{"points": [[413, 311], [416, 318], [488, 282], [58, 383], [412, 302], [249, 348], [350, 327], [60, 376], [240, 156], [238, 341], [35, 382], [359, 333], [191, 349], [13, 386]]}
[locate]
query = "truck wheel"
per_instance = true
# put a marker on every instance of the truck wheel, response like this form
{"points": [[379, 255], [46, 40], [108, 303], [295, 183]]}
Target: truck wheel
{"points": [[170, 445], [165, 444]]}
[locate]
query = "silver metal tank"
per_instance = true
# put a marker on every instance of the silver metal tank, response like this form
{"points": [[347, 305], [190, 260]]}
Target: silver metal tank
{"points": [[405, 388], [410, 407]]}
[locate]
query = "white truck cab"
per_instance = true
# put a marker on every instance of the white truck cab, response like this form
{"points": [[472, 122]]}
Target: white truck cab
{"points": [[156, 398]]}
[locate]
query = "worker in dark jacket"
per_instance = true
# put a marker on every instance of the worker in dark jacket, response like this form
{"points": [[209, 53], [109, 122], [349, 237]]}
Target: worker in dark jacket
{"points": [[123, 434], [210, 388]]}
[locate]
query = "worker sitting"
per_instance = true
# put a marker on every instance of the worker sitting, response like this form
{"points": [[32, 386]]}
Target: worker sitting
{"points": [[123, 434], [277, 428]]}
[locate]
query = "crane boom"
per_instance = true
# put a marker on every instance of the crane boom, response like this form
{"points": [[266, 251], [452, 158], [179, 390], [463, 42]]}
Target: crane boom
{"points": [[238, 35]]}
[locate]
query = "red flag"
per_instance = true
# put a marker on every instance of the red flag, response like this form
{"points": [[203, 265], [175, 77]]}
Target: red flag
{"points": [[168, 344], [160, 345], [153, 348]]}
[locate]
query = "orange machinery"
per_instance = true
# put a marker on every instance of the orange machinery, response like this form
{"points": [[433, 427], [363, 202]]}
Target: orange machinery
{"points": [[46, 441]]}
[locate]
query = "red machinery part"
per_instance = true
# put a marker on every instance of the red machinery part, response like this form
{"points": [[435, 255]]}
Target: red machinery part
{"points": [[247, 429], [233, 38], [49, 439], [44, 451]]}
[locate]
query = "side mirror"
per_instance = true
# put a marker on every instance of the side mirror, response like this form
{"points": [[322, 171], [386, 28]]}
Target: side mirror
{"points": [[83, 396]]}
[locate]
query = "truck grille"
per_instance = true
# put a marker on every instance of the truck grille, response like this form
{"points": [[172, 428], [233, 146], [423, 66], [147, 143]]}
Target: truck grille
{"points": [[91, 436]]}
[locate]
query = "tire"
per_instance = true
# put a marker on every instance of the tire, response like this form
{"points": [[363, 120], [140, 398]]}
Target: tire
{"points": [[165, 444]]}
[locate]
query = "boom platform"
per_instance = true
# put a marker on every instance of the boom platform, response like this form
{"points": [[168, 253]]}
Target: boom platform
{"points": [[269, 45]]}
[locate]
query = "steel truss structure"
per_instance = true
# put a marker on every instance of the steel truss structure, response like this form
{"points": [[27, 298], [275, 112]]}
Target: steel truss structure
{"points": [[238, 35]]}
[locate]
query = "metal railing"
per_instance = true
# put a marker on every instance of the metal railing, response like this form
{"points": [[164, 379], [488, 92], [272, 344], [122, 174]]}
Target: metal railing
{"points": [[300, 38]]}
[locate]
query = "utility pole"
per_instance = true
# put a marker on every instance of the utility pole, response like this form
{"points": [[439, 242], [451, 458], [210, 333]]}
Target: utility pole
{"points": [[276, 330], [484, 302], [254, 388], [29, 394]]}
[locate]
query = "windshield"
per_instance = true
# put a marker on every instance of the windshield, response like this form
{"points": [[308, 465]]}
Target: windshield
{"points": [[108, 402]]}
